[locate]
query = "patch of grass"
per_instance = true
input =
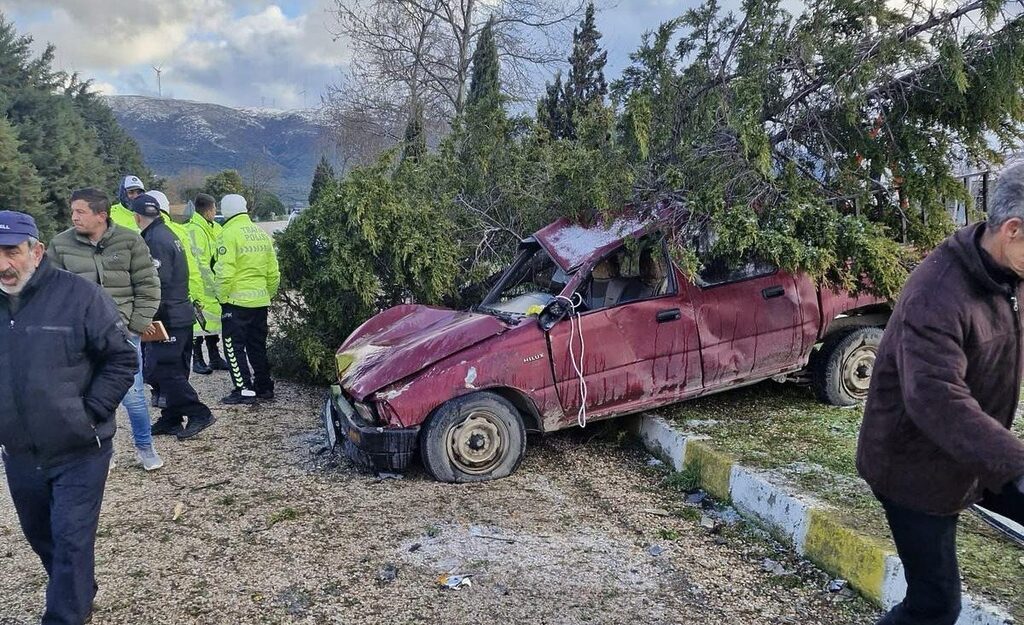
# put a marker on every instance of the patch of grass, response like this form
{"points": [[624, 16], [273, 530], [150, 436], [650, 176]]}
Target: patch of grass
{"points": [[284, 514], [770, 426], [226, 500], [685, 481], [668, 534]]}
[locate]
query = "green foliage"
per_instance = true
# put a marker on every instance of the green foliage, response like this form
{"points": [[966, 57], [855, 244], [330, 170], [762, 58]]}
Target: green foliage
{"points": [[267, 206], [224, 183], [484, 82], [368, 243], [20, 188], [414, 144], [64, 135], [323, 175]]}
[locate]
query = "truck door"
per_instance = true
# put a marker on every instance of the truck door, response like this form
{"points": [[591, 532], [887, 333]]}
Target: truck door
{"points": [[749, 320]]}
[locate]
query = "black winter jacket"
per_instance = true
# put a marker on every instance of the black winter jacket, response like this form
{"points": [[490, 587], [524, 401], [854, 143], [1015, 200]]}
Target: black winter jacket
{"points": [[176, 310], [65, 365]]}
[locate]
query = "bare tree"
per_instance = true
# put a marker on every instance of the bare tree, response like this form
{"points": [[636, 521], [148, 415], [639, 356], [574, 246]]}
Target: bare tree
{"points": [[260, 177], [417, 53]]}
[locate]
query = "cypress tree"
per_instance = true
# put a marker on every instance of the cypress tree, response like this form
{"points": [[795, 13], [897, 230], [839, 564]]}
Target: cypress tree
{"points": [[485, 81], [585, 85], [551, 113], [322, 176], [415, 140], [20, 187]]}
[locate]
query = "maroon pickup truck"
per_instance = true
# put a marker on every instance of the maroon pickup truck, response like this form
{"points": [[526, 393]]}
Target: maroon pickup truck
{"points": [[587, 324]]}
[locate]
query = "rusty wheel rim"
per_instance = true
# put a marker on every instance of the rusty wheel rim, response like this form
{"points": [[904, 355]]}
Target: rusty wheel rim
{"points": [[857, 368], [477, 444]]}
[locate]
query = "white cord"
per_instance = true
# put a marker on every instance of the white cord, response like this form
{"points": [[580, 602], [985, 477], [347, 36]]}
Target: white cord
{"points": [[576, 324]]}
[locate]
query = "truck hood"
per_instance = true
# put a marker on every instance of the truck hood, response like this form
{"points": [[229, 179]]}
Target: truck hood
{"points": [[403, 340]]}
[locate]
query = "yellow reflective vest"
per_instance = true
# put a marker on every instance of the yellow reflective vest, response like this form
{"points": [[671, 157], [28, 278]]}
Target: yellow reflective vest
{"points": [[123, 217], [203, 239], [246, 270]]}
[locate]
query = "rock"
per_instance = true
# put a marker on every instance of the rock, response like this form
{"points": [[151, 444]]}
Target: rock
{"points": [[654, 462], [657, 512], [775, 568], [388, 573], [415, 547], [696, 498], [707, 523], [655, 550], [837, 585]]}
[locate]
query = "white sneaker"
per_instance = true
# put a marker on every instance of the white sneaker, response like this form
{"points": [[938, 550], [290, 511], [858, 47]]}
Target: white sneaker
{"points": [[149, 458]]}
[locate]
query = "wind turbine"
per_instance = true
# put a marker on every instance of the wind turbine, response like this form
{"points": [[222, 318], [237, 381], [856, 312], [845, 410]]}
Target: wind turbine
{"points": [[159, 86]]}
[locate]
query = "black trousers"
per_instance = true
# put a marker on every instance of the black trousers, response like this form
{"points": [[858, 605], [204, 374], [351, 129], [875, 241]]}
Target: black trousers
{"points": [[245, 343], [166, 366], [59, 511], [927, 546]]}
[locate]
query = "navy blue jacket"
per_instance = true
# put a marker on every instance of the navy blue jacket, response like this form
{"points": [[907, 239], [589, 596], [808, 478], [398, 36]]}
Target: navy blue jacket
{"points": [[65, 365], [176, 310]]}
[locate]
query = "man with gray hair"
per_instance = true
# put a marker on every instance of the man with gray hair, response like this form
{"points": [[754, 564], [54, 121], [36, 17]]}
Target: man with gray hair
{"points": [[67, 362], [936, 435]]}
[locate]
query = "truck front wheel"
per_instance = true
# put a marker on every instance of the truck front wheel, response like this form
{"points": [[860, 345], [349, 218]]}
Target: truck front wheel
{"points": [[473, 438], [841, 369]]}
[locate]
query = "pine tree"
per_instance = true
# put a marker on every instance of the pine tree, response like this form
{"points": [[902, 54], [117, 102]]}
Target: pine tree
{"points": [[585, 86], [322, 177]]}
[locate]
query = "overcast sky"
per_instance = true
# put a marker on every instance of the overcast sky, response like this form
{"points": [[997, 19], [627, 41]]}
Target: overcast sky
{"points": [[239, 52]]}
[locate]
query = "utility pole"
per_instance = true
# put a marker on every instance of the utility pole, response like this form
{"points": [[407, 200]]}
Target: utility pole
{"points": [[159, 85]]}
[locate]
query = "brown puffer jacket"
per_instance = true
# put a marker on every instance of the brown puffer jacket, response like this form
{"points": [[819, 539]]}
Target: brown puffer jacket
{"points": [[945, 386]]}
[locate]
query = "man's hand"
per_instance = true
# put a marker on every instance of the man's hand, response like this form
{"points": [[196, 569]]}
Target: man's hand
{"points": [[150, 329]]}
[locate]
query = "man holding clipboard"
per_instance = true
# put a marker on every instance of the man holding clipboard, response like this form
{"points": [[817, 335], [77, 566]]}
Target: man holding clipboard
{"points": [[167, 350]]}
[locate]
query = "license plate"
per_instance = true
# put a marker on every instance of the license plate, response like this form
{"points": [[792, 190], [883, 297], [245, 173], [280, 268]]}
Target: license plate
{"points": [[332, 434]]}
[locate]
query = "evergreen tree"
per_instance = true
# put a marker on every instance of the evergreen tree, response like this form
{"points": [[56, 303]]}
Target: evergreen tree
{"points": [[223, 183], [322, 177], [485, 81], [551, 113], [585, 86], [20, 188], [414, 144]]}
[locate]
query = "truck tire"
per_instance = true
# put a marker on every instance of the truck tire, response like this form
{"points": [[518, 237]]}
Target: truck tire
{"points": [[841, 369], [473, 438]]}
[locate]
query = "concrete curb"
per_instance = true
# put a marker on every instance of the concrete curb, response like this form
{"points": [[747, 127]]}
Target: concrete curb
{"points": [[870, 566]]}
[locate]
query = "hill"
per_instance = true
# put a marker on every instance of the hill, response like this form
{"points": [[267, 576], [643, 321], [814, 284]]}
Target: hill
{"points": [[179, 135]]}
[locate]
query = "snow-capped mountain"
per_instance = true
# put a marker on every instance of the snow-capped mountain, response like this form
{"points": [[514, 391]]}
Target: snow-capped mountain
{"points": [[177, 135]]}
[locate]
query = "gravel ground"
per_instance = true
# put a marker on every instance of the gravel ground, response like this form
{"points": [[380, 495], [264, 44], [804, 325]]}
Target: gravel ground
{"points": [[272, 529]]}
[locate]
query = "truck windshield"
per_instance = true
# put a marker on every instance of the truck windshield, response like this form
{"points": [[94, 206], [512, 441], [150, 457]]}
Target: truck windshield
{"points": [[532, 280]]}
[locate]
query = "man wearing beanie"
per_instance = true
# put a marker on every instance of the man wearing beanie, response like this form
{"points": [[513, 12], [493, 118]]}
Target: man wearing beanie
{"points": [[247, 278], [166, 363], [67, 364]]}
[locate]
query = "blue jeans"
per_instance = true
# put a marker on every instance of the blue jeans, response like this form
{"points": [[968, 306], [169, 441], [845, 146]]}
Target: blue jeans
{"points": [[136, 405], [59, 510]]}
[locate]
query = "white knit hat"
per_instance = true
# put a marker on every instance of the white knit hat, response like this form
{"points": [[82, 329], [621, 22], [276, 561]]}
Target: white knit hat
{"points": [[231, 205]]}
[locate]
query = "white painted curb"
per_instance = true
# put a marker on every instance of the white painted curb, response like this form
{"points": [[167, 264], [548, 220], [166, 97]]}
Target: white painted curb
{"points": [[788, 516]]}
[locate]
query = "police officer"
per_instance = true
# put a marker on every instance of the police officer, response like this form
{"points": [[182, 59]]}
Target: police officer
{"points": [[166, 363], [247, 278], [121, 213]]}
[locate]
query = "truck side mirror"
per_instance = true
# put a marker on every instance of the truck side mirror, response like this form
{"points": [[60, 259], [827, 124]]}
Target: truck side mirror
{"points": [[555, 311]]}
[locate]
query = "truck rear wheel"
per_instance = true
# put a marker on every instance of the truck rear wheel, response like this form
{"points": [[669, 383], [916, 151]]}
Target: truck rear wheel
{"points": [[473, 438], [841, 370]]}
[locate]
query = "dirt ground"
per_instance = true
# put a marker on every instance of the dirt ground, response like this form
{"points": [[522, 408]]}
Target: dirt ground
{"points": [[274, 529]]}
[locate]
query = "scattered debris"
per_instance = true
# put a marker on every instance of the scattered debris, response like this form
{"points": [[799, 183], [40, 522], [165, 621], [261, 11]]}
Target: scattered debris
{"points": [[454, 582], [499, 538], [655, 462], [179, 509], [390, 476], [388, 574], [655, 550], [415, 547], [837, 585], [708, 523], [212, 484]]}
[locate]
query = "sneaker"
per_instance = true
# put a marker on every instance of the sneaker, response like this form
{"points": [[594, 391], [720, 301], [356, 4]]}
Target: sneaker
{"points": [[195, 426], [200, 367], [217, 363], [149, 458], [265, 395], [240, 396], [165, 426]]}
